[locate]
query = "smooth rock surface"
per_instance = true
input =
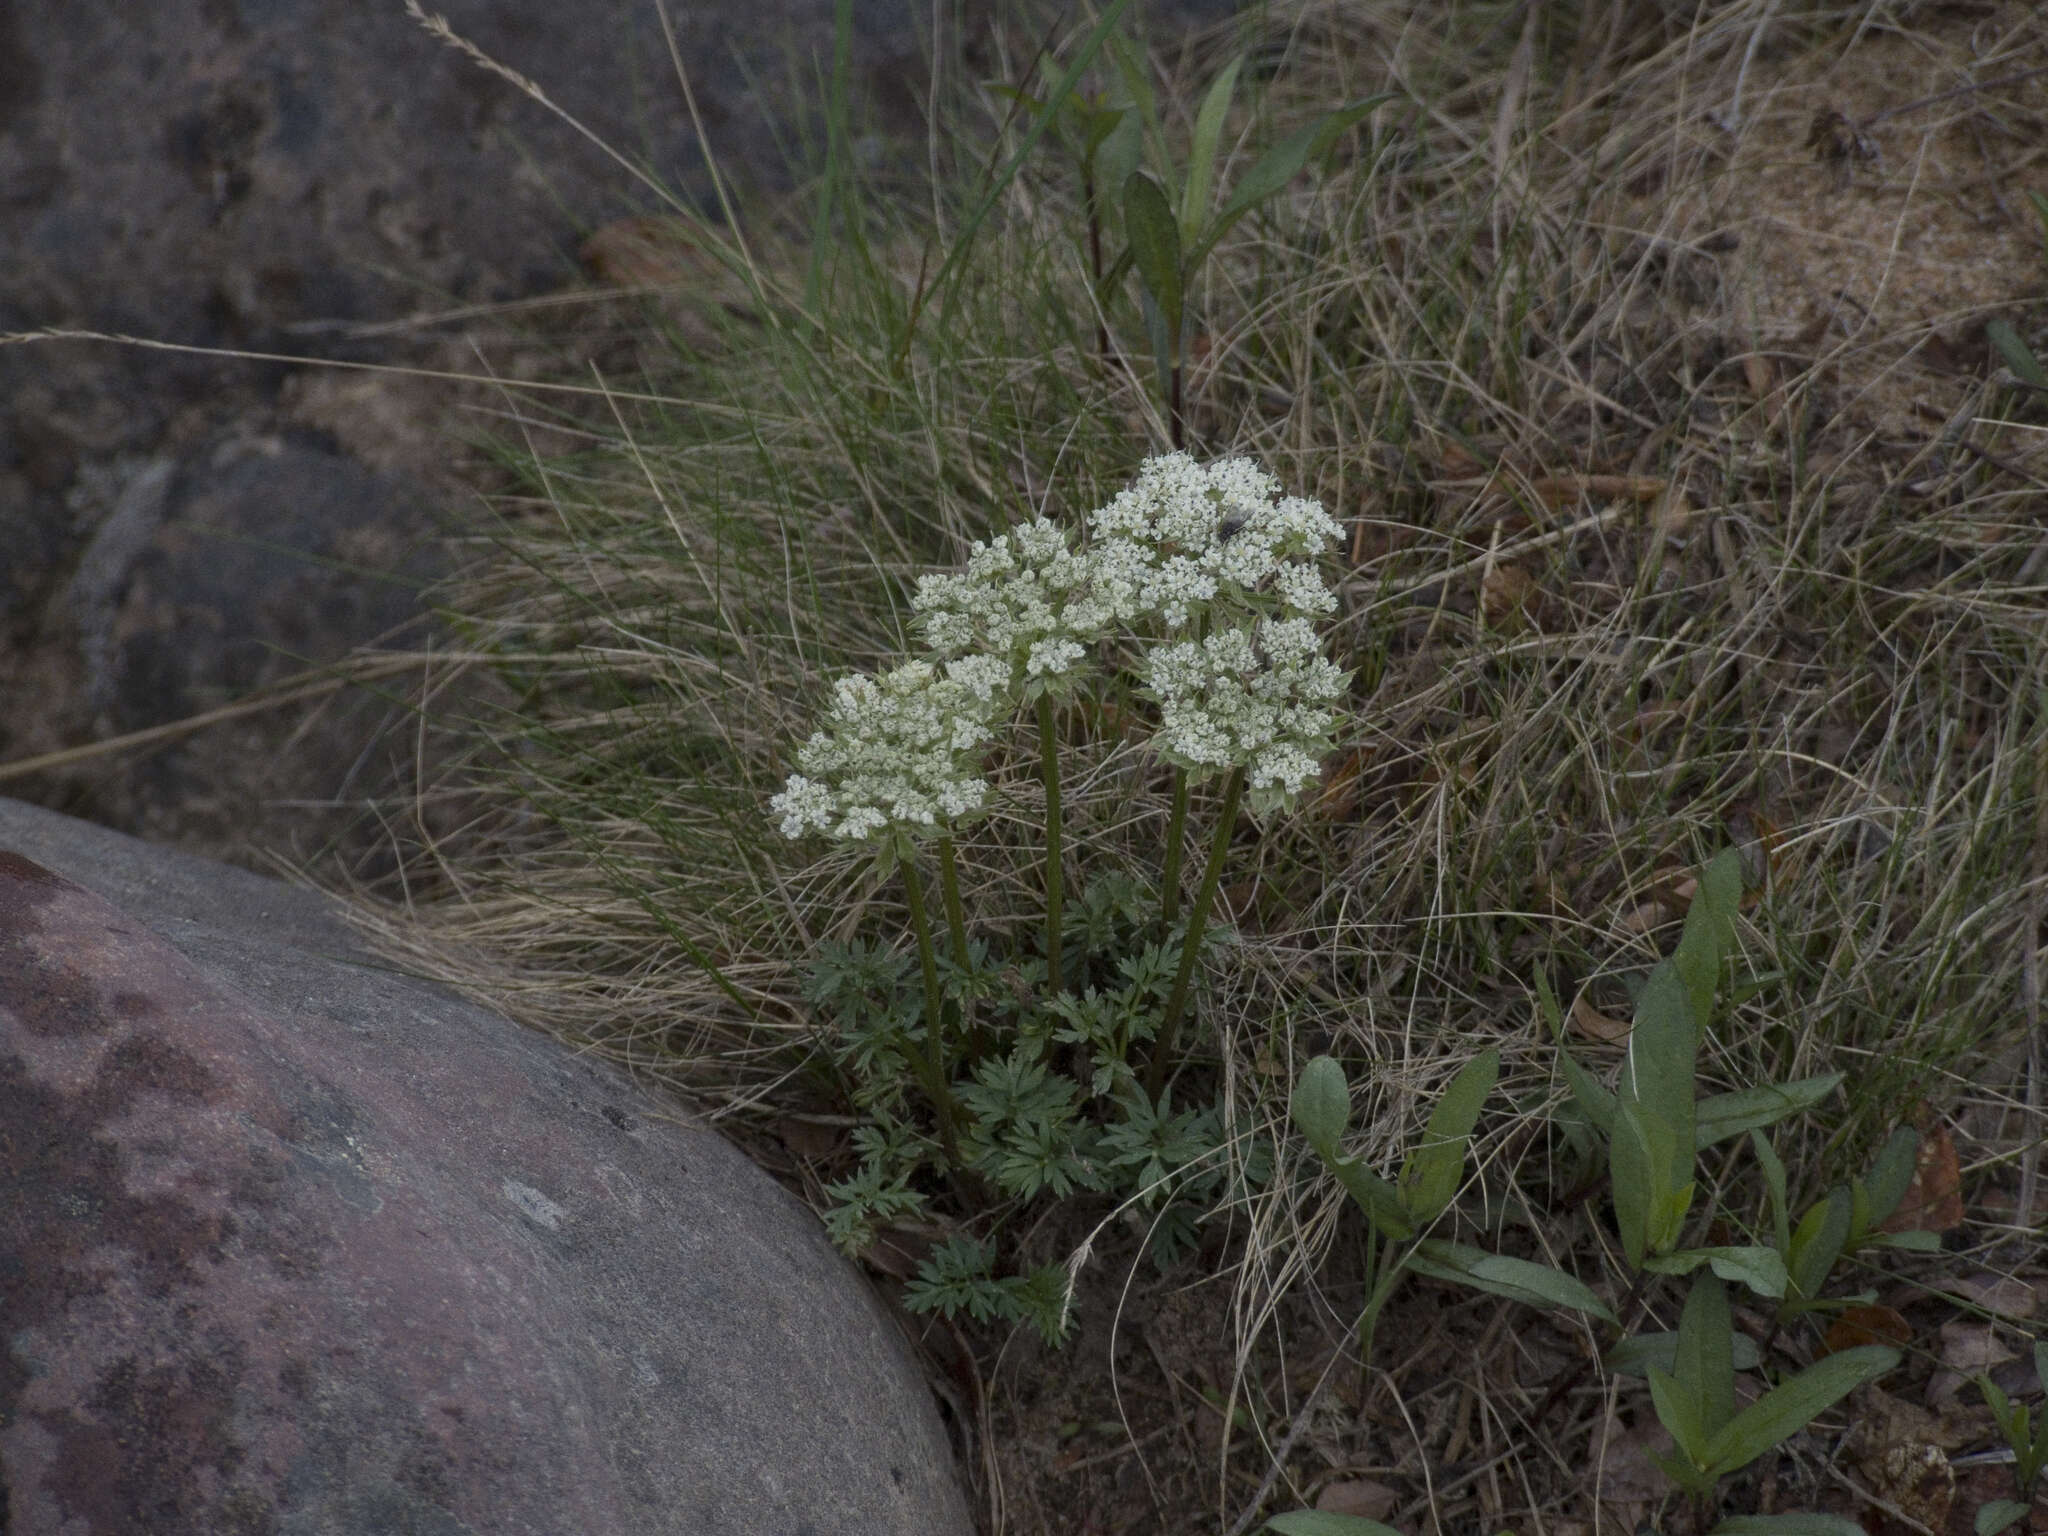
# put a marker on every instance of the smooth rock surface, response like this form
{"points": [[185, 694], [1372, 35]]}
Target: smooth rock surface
{"points": [[296, 1245]]}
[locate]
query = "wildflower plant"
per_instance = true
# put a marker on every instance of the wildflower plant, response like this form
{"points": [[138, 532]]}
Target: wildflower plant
{"points": [[1048, 1073]]}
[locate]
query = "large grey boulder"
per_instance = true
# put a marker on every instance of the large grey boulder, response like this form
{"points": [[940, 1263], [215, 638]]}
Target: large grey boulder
{"points": [[293, 1244]]}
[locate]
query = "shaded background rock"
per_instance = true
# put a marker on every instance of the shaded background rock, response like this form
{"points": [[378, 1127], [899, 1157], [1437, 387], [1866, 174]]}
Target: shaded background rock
{"points": [[289, 177], [298, 1245], [263, 176]]}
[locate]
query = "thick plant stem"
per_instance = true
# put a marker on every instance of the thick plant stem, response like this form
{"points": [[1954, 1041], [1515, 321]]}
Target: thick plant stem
{"points": [[933, 1068], [1198, 920], [1176, 834], [956, 916], [1049, 760]]}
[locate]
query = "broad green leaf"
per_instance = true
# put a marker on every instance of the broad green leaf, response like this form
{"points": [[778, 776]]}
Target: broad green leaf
{"points": [[1535, 1285], [1098, 124], [1433, 1172], [1117, 157], [1724, 1115], [1594, 1099], [1774, 1181], [1194, 193], [2001, 1405], [1279, 165], [1788, 1525], [1631, 1176], [1667, 1218], [1996, 1515], [1816, 1244], [1155, 246], [1678, 1410], [1380, 1201], [1663, 1051], [1689, 1478], [1130, 66], [1634, 1355], [1787, 1409], [1317, 1522], [1891, 1174], [1705, 1368], [1321, 1105], [1760, 1269], [1709, 933], [2015, 352]]}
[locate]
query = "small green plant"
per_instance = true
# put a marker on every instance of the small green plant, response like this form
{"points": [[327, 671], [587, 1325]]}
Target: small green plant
{"points": [[2029, 1442], [1654, 1127], [1165, 213], [1398, 1213], [1043, 1071]]}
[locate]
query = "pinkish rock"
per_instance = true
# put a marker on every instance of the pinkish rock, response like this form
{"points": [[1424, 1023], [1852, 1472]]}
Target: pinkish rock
{"points": [[293, 1245]]}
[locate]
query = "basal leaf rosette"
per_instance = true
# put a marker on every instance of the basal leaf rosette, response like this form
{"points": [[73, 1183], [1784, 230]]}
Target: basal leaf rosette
{"points": [[898, 757], [1261, 698], [1189, 541], [1026, 599]]}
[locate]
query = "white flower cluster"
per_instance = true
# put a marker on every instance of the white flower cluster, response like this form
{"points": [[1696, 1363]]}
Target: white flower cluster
{"points": [[897, 751], [1189, 538], [1266, 705], [1025, 597]]}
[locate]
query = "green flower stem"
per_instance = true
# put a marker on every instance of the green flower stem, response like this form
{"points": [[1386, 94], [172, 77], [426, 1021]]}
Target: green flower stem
{"points": [[933, 1068], [1176, 834], [1049, 760], [956, 915], [1198, 919]]}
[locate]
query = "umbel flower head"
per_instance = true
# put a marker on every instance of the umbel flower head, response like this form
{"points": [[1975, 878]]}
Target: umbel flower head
{"points": [[1188, 540], [1026, 599], [898, 754], [1262, 699]]}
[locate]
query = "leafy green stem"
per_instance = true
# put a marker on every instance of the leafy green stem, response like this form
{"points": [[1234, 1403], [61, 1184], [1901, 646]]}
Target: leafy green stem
{"points": [[1198, 922], [956, 914], [933, 1068], [1049, 762], [1176, 834]]}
